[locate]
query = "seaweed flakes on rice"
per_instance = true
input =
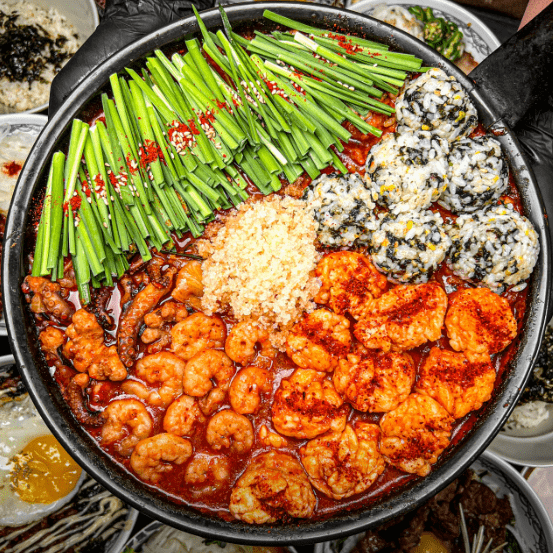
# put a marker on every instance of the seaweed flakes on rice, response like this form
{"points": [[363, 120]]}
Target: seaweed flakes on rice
{"points": [[343, 208], [496, 246], [408, 247], [478, 174], [438, 103], [408, 171]]}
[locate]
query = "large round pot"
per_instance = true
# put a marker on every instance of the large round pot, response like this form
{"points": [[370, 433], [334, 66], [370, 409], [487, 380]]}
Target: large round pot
{"points": [[86, 451]]}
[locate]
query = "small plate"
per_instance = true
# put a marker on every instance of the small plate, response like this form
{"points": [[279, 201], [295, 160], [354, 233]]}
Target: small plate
{"points": [[19, 122], [479, 39], [531, 447], [82, 14]]}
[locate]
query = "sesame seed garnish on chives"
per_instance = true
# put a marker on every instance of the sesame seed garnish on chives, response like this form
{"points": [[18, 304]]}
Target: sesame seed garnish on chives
{"points": [[183, 138]]}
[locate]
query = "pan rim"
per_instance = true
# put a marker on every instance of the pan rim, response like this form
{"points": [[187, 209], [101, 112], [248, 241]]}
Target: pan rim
{"points": [[297, 533]]}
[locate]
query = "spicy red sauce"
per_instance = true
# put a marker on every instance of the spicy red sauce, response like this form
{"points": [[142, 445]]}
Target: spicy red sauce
{"points": [[392, 479]]}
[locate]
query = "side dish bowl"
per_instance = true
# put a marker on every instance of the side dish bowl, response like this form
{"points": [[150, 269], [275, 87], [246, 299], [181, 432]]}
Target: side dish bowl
{"points": [[81, 14], [113, 476], [479, 38]]}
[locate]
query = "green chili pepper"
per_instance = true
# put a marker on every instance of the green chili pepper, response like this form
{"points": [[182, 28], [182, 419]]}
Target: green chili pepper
{"points": [[450, 29], [434, 31], [418, 12], [452, 49]]}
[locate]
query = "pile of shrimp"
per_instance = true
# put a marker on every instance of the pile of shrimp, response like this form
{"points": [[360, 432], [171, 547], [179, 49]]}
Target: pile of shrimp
{"points": [[177, 390]]}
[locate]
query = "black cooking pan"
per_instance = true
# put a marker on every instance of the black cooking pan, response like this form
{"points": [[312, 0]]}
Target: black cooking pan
{"points": [[85, 450]]}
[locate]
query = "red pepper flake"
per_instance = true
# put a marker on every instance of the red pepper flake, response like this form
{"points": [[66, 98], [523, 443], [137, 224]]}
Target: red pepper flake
{"points": [[193, 128], [149, 153], [206, 118], [12, 168], [65, 207], [100, 184], [75, 202], [113, 179], [86, 189], [221, 105], [131, 164]]}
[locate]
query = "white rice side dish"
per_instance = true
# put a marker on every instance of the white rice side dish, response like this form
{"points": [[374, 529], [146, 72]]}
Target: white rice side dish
{"points": [[16, 142], [50, 23], [478, 174], [343, 207], [436, 102], [527, 415], [408, 247], [408, 171], [496, 246], [399, 17]]}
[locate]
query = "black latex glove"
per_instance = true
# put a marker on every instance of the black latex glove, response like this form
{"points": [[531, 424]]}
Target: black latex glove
{"points": [[124, 22], [535, 133]]}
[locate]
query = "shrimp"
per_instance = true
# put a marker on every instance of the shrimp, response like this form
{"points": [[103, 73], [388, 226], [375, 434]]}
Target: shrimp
{"points": [[306, 405], [158, 325], [205, 474], [126, 423], [403, 318], [240, 344], [152, 456], [87, 350], [342, 464], [457, 384], [163, 368], [246, 389], [229, 430], [208, 365], [271, 439], [183, 416], [415, 434], [376, 383], [196, 333], [273, 487], [479, 322], [319, 341], [189, 287], [132, 319], [349, 282]]}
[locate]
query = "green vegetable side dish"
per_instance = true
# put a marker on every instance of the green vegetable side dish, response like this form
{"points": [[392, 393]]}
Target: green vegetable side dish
{"points": [[177, 142], [439, 33]]}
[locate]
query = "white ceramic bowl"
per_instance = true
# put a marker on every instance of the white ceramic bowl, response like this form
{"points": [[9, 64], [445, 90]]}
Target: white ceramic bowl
{"points": [[142, 536], [531, 447], [82, 14], [479, 39], [533, 528], [20, 121]]}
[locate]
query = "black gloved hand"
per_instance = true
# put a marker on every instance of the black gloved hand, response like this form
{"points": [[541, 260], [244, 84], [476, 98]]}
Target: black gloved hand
{"points": [[535, 134], [124, 22]]}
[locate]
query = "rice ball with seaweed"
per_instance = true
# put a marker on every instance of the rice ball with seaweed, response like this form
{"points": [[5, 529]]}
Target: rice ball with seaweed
{"points": [[408, 247], [496, 246], [478, 174], [436, 102], [343, 207], [407, 171]]}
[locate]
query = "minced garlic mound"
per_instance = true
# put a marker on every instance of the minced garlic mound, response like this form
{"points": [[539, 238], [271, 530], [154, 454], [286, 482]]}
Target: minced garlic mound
{"points": [[261, 263]]}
